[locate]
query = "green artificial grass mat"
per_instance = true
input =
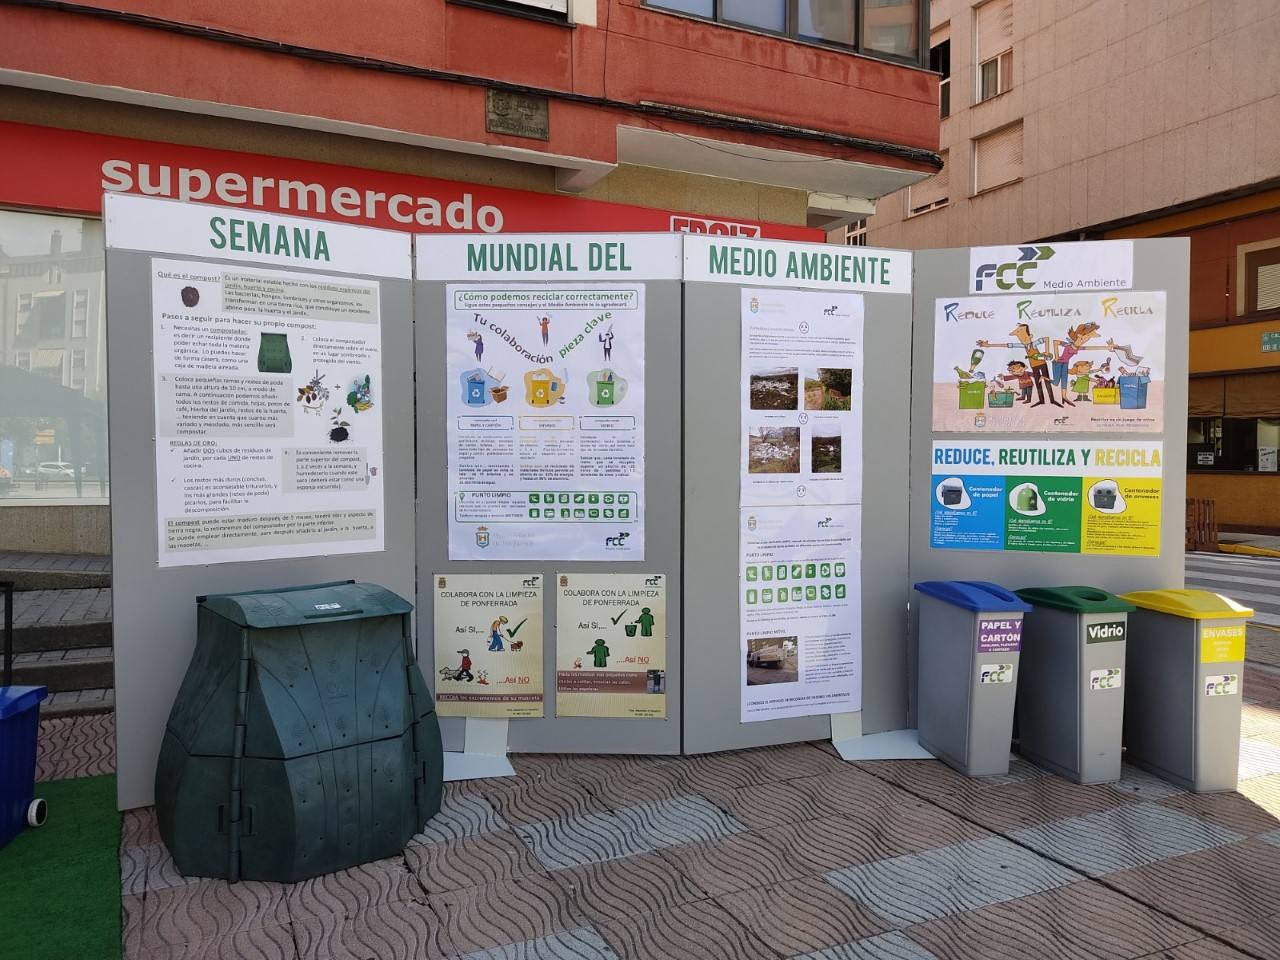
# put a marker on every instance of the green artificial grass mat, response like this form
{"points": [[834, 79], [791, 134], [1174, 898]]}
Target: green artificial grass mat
{"points": [[60, 884]]}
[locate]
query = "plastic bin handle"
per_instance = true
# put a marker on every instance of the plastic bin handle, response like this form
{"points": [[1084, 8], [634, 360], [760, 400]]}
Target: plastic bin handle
{"points": [[331, 614]]}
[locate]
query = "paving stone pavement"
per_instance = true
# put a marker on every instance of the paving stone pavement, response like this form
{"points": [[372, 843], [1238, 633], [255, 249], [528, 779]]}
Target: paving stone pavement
{"points": [[32, 608], [782, 852]]}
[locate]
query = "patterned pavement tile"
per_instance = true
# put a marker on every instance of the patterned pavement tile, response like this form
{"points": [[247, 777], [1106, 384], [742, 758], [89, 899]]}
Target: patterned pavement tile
{"points": [[925, 886], [1258, 758], [1138, 784], [209, 910], [581, 944], [1214, 889], [1023, 805], [684, 819], [761, 806], [793, 761], [1207, 950], [398, 930], [351, 891], [470, 861], [573, 842], [138, 828], [1233, 811], [1262, 687], [149, 868], [509, 911], [1021, 770], [1261, 938], [719, 773], [1122, 838], [521, 802], [699, 930], [1258, 720], [619, 889], [801, 916], [76, 747], [888, 946], [1264, 792], [460, 815], [738, 862], [1082, 920], [272, 942], [878, 833]]}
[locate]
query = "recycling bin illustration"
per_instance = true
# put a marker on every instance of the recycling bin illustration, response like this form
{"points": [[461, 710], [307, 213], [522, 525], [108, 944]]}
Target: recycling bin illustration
{"points": [[952, 493], [273, 353], [303, 739], [1001, 398], [1184, 668], [475, 392], [606, 394], [1104, 496], [1028, 499], [970, 642], [973, 395], [1071, 689], [1133, 391]]}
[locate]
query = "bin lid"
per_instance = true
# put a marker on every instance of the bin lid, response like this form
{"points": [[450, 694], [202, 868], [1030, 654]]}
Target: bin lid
{"points": [[1075, 599], [16, 700], [1192, 604], [975, 595], [312, 603]]}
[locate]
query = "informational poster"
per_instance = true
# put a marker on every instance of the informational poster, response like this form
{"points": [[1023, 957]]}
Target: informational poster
{"points": [[488, 637], [268, 410], [800, 611], [611, 645], [1088, 497], [546, 421], [801, 395], [1050, 363]]}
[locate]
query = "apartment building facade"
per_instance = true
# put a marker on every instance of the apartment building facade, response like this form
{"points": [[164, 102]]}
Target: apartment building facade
{"points": [[1095, 119]]}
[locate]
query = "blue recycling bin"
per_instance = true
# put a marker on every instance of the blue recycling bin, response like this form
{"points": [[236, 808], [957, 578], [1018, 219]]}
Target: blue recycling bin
{"points": [[19, 733], [1133, 391]]}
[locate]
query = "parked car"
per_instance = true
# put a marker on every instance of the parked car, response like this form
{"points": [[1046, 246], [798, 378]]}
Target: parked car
{"points": [[772, 657], [56, 470]]}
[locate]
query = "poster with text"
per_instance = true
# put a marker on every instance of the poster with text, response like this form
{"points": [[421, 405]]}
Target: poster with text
{"points": [[1100, 497], [611, 645], [546, 422], [268, 405], [800, 609], [1045, 363], [801, 397], [488, 637]]}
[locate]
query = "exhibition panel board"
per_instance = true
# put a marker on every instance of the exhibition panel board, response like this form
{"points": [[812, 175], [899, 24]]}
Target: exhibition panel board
{"points": [[261, 371], [796, 414], [1048, 440], [549, 487]]}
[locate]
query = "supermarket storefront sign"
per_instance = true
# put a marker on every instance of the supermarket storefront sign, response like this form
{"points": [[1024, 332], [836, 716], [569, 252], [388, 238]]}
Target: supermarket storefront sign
{"points": [[69, 170]]}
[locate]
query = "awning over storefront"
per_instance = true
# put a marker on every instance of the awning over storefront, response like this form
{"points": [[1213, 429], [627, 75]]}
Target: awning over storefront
{"points": [[1240, 395]]}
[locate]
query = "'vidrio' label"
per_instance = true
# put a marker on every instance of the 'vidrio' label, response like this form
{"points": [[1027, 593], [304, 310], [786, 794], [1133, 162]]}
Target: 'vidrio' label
{"points": [[1105, 632]]}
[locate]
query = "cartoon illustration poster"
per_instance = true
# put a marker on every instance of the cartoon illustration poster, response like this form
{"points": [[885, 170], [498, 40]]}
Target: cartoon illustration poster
{"points": [[268, 413], [1049, 363], [1100, 497], [546, 422], [611, 645], [801, 397], [800, 611], [488, 641]]}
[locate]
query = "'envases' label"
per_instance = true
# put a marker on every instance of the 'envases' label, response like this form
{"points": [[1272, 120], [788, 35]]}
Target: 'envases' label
{"points": [[1222, 644]]}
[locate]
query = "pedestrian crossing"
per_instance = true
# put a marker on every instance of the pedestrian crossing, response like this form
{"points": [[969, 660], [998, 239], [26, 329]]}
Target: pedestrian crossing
{"points": [[1253, 581]]}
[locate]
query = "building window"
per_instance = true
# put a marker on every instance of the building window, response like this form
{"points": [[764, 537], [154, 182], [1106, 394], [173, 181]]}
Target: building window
{"points": [[80, 315], [940, 62], [1262, 279], [554, 9], [855, 234], [51, 315], [1229, 443], [932, 193], [22, 360], [77, 369], [997, 158], [878, 28], [993, 35]]}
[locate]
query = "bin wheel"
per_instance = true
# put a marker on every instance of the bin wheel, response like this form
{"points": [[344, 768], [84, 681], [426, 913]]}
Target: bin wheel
{"points": [[37, 813]]}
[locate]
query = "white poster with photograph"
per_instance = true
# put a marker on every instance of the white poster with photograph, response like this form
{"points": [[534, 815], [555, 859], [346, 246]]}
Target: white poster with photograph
{"points": [[268, 413], [801, 397], [1050, 363], [800, 610], [611, 645], [546, 421], [488, 644]]}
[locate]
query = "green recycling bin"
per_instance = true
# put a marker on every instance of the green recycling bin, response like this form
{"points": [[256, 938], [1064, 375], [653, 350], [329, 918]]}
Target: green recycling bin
{"points": [[606, 393], [1071, 692], [1184, 666], [303, 739]]}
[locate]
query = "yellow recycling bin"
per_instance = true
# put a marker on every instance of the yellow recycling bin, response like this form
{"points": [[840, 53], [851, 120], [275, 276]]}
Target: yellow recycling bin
{"points": [[1184, 669]]}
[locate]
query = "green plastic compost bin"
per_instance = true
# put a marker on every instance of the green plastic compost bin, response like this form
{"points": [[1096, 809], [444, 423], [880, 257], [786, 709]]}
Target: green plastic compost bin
{"points": [[1071, 691], [303, 739], [1184, 666]]}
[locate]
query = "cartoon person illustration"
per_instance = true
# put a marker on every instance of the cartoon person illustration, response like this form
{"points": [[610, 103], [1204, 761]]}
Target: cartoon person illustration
{"points": [[475, 338], [495, 634], [1018, 371], [600, 653], [544, 323], [464, 670], [606, 341], [1081, 379], [1038, 356], [1078, 338], [646, 622]]}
